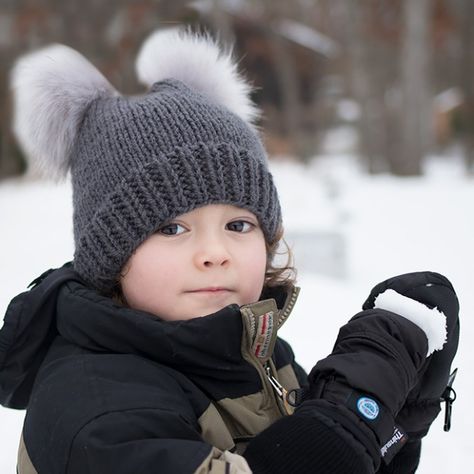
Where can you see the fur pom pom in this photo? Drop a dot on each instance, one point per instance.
(432, 321)
(196, 60)
(51, 89)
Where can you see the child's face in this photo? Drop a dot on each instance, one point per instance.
(197, 264)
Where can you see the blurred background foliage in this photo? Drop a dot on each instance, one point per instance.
(394, 77)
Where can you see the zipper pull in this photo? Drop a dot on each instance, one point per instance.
(449, 395)
(281, 391)
(277, 386)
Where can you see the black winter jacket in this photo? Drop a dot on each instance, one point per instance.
(110, 389)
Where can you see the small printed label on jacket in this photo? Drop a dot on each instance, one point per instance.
(263, 337)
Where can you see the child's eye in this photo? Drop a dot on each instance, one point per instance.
(171, 229)
(240, 226)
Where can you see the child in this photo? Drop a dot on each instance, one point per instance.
(156, 349)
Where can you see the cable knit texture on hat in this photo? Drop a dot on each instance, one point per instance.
(138, 162)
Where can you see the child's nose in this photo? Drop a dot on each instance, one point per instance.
(212, 253)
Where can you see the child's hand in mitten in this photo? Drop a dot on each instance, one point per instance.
(436, 293)
(390, 364)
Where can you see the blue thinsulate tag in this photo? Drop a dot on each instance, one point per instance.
(368, 408)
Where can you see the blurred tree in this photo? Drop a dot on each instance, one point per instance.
(467, 81)
(387, 44)
(221, 23)
(364, 69)
(286, 75)
(415, 114)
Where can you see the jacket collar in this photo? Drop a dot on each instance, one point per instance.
(97, 323)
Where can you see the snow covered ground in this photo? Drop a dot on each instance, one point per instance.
(384, 225)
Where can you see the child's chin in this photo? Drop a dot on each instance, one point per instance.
(209, 304)
(208, 310)
(198, 306)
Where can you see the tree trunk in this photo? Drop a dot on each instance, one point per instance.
(287, 79)
(467, 82)
(363, 65)
(415, 113)
(222, 24)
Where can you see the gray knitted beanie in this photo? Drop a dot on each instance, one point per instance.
(138, 162)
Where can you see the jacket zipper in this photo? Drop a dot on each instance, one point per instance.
(288, 307)
(281, 393)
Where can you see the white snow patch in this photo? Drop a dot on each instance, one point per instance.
(348, 110)
(339, 140)
(448, 100)
(431, 321)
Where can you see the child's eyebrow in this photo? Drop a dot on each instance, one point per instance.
(246, 215)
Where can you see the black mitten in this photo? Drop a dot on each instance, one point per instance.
(434, 384)
(383, 355)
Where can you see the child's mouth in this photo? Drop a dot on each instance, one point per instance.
(211, 291)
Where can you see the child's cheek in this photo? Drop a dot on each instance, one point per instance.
(255, 274)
